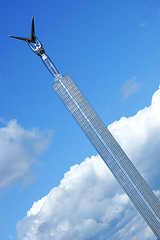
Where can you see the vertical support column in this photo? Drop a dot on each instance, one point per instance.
(117, 161)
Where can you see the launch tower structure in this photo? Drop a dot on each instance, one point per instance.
(108, 148)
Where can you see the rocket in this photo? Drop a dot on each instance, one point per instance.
(141, 195)
(37, 47)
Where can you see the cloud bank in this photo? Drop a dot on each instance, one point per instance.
(139, 136)
(89, 204)
(18, 150)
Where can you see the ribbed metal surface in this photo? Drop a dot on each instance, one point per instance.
(117, 161)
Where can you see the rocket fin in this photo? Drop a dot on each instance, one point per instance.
(32, 39)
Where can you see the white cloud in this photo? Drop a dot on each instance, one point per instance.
(144, 24)
(139, 136)
(18, 148)
(84, 205)
(130, 87)
(88, 203)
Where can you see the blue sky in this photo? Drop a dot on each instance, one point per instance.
(111, 49)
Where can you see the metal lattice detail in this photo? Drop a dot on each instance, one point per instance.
(117, 161)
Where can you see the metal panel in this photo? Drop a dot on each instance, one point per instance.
(117, 161)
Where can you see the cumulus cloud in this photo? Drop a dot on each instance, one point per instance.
(139, 136)
(18, 148)
(89, 203)
(83, 206)
(130, 87)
